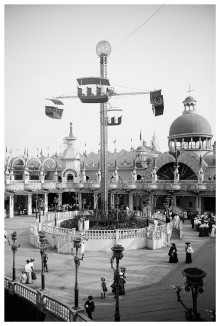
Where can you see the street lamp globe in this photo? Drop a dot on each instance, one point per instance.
(103, 48)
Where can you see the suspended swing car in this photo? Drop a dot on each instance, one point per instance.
(95, 90)
(53, 111)
(156, 99)
(114, 121)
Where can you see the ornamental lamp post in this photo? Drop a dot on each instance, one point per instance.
(117, 254)
(194, 283)
(43, 248)
(77, 242)
(14, 248)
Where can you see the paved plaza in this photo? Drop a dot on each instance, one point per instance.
(149, 277)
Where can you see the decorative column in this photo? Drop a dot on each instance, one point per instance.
(134, 175)
(46, 202)
(80, 200)
(56, 176)
(112, 200)
(42, 176)
(131, 202)
(11, 206)
(198, 204)
(29, 204)
(59, 199)
(154, 174)
(176, 174)
(26, 176)
(12, 177)
(7, 176)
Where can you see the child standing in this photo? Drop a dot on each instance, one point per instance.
(103, 287)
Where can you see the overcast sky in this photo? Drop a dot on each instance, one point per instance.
(47, 47)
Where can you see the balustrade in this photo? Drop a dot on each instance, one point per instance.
(57, 308)
(60, 310)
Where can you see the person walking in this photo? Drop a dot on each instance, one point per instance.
(28, 270)
(33, 274)
(89, 306)
(173, 254)
(45, 259)
(103, 287)
(189, 251)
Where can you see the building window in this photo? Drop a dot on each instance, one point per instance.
(190, 204)
(69, 177)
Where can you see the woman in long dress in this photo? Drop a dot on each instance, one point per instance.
(189, 251)
(212, 234)
(173, 254)
(28, 270)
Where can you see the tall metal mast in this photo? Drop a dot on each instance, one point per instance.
(103, 49)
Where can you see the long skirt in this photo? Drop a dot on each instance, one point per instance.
(29, 278)
(188, 258)
(173, 258)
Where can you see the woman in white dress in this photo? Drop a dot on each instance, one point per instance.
(28, 270)
(213, 233)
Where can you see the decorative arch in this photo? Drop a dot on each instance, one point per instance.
(164, 159)
(46, 159)
(166, 172)
(33, 158)
(15, 159)
(69, 171)
(191, 160)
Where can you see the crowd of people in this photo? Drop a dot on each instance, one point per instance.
(205, 224)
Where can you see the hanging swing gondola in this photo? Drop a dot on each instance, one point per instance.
(53, 111)
(114, 121)
(98, 94)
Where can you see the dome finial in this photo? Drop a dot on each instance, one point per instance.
(190, 90)
(71, 130)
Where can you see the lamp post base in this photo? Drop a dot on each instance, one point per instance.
(76, 298)
(42, 282)
(13, 274)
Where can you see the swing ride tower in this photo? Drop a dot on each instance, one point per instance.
(103, 50)
(102, 95)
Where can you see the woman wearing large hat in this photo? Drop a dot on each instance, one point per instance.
(173, 254)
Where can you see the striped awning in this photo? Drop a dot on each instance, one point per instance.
(22, 193)
(55, 191)
(8, 194)
(40, 192)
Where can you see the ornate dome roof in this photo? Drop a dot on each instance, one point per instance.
(190, 123)
(189, 99)
(141, 149)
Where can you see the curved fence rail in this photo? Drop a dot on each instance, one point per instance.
(59, 310)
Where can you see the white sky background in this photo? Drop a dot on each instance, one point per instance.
(48, 46)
